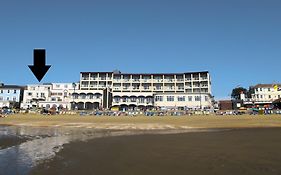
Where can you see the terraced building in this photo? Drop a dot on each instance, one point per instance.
(143, 90)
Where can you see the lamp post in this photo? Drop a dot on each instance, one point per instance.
(200, 95)
(73, 103)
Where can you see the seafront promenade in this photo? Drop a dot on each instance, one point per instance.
(143, 122)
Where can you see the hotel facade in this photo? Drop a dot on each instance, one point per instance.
(264, 94)
(10, 95)
(116, 90)
(48, 95)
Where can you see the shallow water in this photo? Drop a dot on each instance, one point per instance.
(34, 145)
(40, 144)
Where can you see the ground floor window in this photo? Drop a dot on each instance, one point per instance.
(170, 98)
(159, 98)
(181, 98)
(206, 98)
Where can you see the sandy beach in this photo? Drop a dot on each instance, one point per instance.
(143, 122)
(73, 144)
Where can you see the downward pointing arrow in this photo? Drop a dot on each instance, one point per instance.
(39, 68)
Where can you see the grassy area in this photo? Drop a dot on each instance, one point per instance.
(201, 121)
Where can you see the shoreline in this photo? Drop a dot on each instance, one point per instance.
(226, 152)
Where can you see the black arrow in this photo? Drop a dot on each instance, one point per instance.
(39, 68)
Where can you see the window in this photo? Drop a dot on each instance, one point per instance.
(15, 91)
(57, 85)
(261, 96)
(206, 98)
(133, 99)
(141, 100)
(14, 98)
(159, 98)
(53, 99)
(8, 91)
(149, 100)
(116, 99)
(65, 86)
(189, 98)
(170, 98)
(268, 89)
(146, 87)
(42, 95)
(83, 96)
(8, 98)
(75, 96)
(269, 96)
(158, 87)
(1, 98)
(197, 98)
(181, 87)
(181, 98)
(124, 99)
(260, 89)
(29, 94)
(1, 91)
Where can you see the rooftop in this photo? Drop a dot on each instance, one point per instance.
(120, 73)
(267, 85)
(3, 86)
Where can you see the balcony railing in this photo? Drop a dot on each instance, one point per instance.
(169, 80)
(158, 80)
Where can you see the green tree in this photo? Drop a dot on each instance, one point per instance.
(237, 91)
(250, 92)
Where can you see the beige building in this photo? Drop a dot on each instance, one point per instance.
(47, 95)
(144, 90)
(266, 93)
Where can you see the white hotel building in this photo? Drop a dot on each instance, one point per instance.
(264, 94)
(47, 95)
(143, 90)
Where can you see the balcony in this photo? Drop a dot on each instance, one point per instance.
(116, 88)
(116, 80)
(126, 80)
(158, 80)
(84, 85)
(180, 80)
(85, 78)
(204, 78)
(181, 88)
(169, 80)
(169, 88)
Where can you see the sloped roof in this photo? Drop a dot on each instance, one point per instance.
(266, 85)
(11, 87)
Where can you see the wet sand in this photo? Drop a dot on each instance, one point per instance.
(237, 151)
(8, 141)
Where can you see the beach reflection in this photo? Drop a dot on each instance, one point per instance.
(44, 144)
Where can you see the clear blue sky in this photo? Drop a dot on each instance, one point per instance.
(238, 41)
